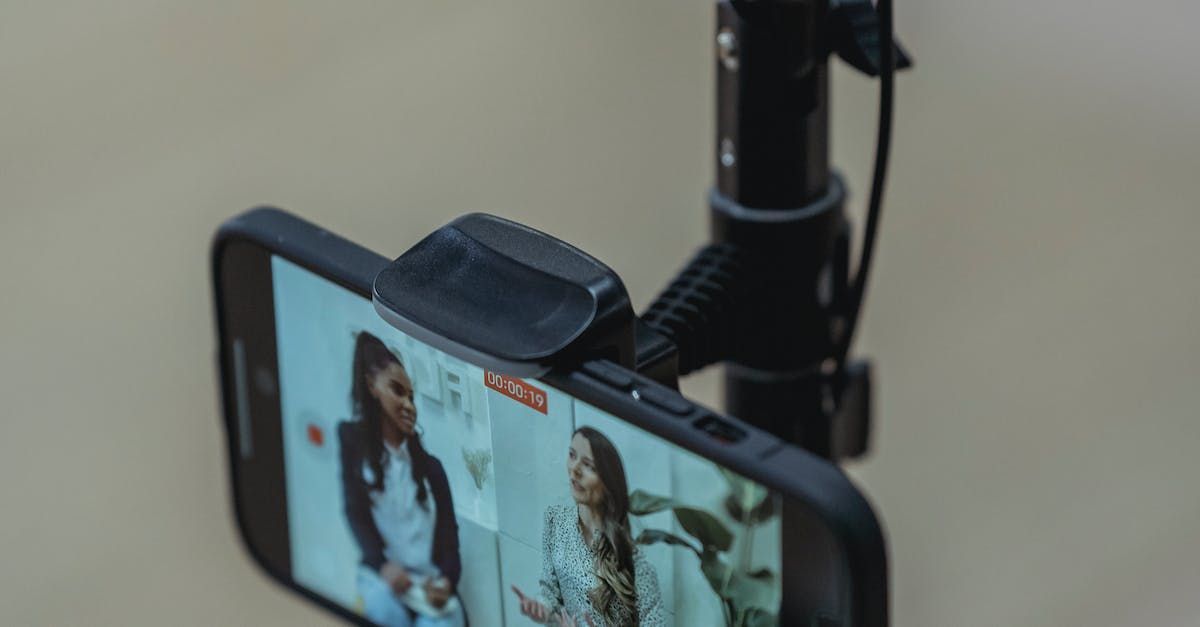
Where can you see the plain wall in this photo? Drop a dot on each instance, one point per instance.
(1032, 311)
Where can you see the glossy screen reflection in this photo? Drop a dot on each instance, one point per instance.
(424, 491)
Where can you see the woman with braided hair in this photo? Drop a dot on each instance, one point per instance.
(397, 500)
(593, 574)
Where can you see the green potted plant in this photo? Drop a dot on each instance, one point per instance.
(746, 594)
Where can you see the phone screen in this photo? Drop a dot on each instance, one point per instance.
(423, 490)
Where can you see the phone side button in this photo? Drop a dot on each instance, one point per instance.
(665, 400)
(720, 430)
(611, 376)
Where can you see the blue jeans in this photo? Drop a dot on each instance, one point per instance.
(381, 606)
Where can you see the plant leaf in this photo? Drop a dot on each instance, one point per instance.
(654, 536)
(642, 503)
(758, 617)
(747, 594)
(705, 527)
(715, 571)
(751, 590)
(747, 502)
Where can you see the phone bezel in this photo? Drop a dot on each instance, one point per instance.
(813, 489)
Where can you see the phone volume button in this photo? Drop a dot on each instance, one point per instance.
(608, 375)
(663, 399)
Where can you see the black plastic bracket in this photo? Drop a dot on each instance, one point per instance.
(769, 298)
(853, 33)
(850, 431)
(508, 298)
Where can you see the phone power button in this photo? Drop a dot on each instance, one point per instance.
(663, 399)
(609, 375)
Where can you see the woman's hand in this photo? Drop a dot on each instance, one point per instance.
(396, 577)
(437, 591)
(563, 619)
(532, 608)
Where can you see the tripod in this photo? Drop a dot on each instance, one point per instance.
(772, 295)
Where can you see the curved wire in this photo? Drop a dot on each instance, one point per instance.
(878, 178)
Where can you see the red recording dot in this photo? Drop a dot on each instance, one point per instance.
(316, 435)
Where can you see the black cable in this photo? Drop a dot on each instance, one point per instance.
(883, 143)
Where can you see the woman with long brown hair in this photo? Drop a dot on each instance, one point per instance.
(593, 573)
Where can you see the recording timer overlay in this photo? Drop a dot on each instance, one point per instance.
(516, 389)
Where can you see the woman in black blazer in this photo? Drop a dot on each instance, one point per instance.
(397, 500)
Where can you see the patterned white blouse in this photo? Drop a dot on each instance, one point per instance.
(568, 573)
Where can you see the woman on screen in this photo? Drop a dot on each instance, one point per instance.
(397, 499)
(592, 572)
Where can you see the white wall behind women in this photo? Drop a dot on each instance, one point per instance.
(316, 324)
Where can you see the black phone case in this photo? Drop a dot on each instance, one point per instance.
(840, 580)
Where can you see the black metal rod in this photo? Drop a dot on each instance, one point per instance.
(772, 103)
(777, 202)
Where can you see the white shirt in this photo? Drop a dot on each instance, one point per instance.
(405, 524)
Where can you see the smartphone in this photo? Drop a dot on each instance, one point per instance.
(394, 484)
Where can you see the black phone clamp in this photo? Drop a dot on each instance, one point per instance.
(508, 298)
(772, 296)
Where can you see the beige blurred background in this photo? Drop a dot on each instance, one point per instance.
(1032, 315)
